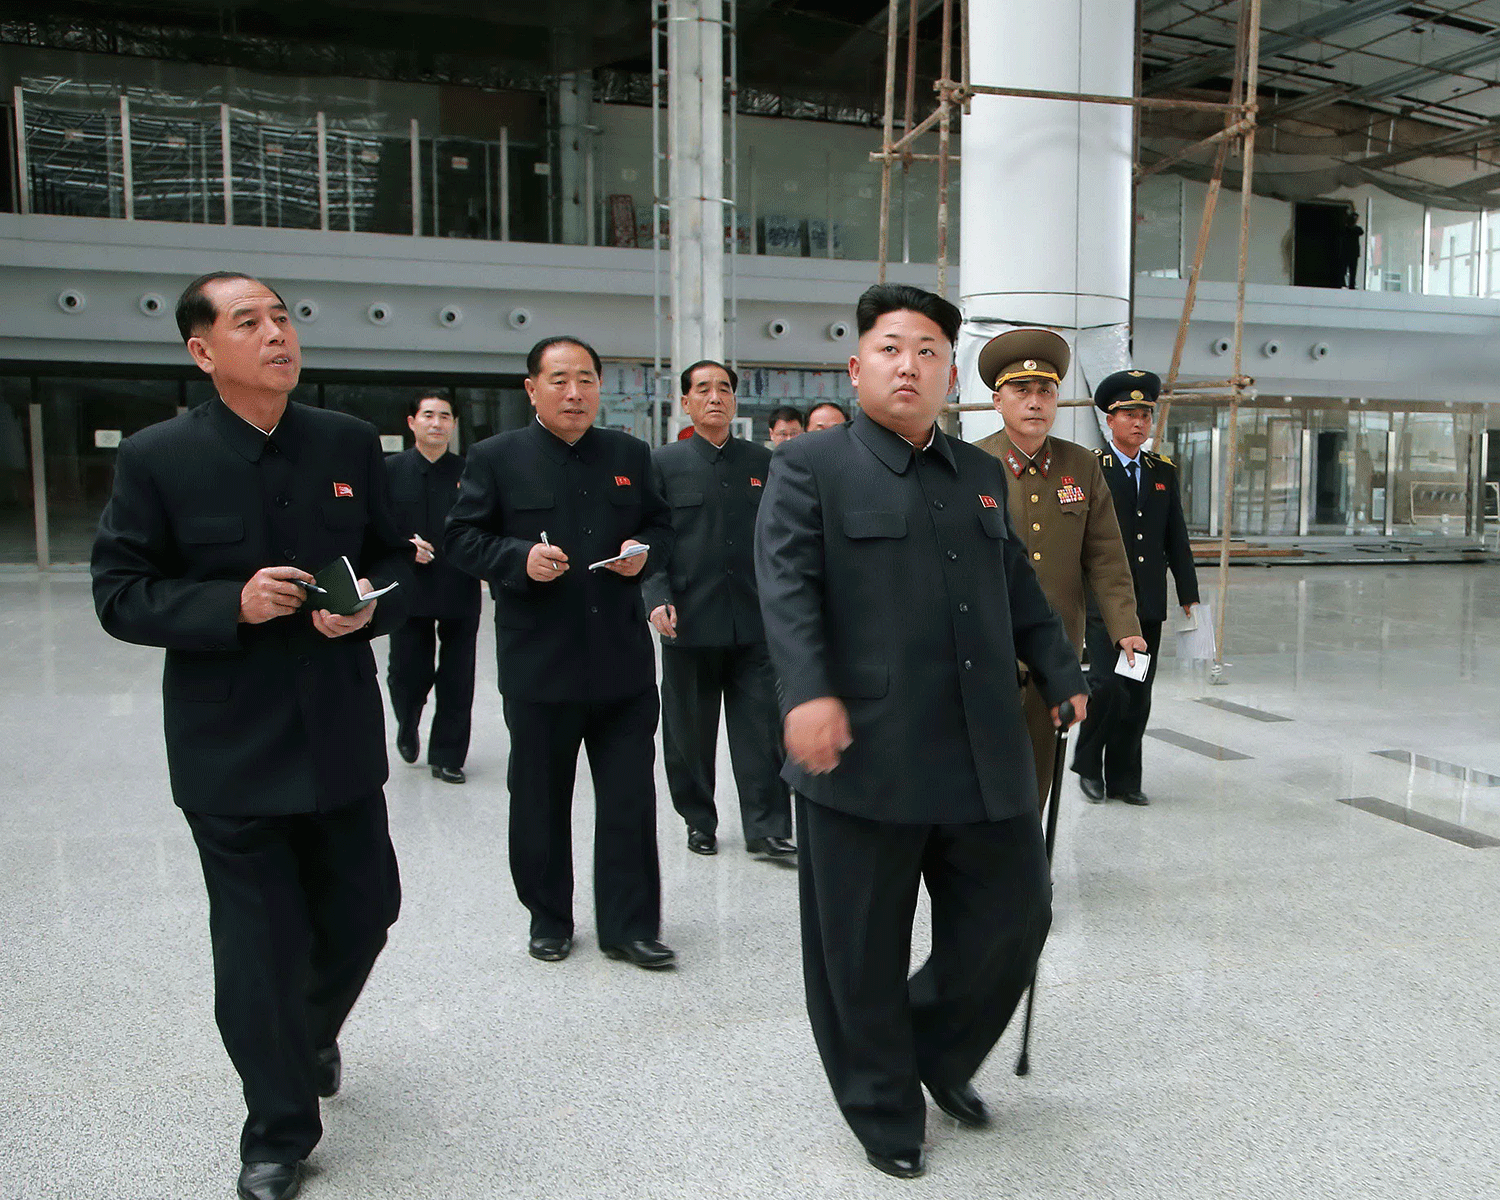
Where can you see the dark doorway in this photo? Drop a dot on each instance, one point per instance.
(1321, 245)
(1331, 478)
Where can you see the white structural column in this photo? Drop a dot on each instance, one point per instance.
(695, 146)
(575, 99)
(1045, 196)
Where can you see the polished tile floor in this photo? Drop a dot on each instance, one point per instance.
(1251, 990)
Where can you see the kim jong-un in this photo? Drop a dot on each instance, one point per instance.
(896, 598)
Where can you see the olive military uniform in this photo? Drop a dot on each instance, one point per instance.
(1062, 509)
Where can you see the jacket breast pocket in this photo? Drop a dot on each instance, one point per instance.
(687, 499)
(532, 501)
(204, 529)
(343, 513)
(874, 524)
(862, 681)
(992, 521)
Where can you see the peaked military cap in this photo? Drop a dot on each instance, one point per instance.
(1023, 354)
(1127, 389)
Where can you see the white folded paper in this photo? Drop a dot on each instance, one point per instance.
(1137, 672)
(1195, 636)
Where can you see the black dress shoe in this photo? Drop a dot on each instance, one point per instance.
(330, 1070)
(651, 955)
(1136, 797)
(1093, 789)
(963, 1104)
(449, 774)
(702, 843)
(407, 744)
(269, 1180)
(908, 1164)
(772, 847)
(550, 949)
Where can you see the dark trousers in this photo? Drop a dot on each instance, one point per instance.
(1109, 740)
(298, 908)
(693, 682)
(544, 744)
(411, 675)
(880, 1035)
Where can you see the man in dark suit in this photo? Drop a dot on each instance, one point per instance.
(444, 608)
(536, 507)
(785, 423)
(274, 725)
(1149, 506)
(896, 599)
(703, 602)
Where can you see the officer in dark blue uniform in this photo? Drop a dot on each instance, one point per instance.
(1149, 505)
(444, 608)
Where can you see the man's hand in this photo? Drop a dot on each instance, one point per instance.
(1080, 704)
(270, 593)
(546, 563)
(1133, 646)
(664, 620)
(425, 551)
(1187, 609)
(331, 625)
(631, 567)
(817, 734)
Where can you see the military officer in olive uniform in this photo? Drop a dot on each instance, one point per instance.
(1149, 506)
(1061, 507)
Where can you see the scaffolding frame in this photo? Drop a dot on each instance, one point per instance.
(1240, 125)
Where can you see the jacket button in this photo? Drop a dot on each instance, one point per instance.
(1031, 470)
(304, 661)
(1034, 497)
(289, 555)
(1140, 558)
(723, 483)
(963, 608)
(968, 664)
(283, 501)
(594, 608)
(1036, 527)
(952, 556)
(587, 530)
(1139, 536)
(1037, 557)
(729, 541)
(937, 504)
(1139, 513)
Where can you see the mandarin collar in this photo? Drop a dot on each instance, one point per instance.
(248, 441)
(894, 450)
(557, 449)
(708, 450)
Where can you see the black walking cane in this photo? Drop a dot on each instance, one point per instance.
(1065, 715)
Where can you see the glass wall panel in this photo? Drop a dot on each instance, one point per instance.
(1454, 254)
(1393, 245)
(1267, 478)
(17, 511)
(84, 420)
(1158, 227)
(1190, 447)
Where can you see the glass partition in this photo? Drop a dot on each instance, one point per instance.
(1453, 252)
(1393, 245)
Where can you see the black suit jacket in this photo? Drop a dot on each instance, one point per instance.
(260, 719)
(1154, 531)
(583, 636)
(709, 576)
(422, 492)
(894, 581)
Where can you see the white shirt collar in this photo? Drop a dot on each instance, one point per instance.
(1125, 459)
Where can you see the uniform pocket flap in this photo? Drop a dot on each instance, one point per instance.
(992, 521)
(343, 512)
(201, 530)
(864, 681)
(529, 500)
(872, 524)
(687, 499)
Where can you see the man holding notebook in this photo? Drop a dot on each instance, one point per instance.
(218, 521)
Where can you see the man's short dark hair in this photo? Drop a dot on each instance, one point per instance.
(687, 375)
(883, 298)
(195, 311)
(838, 408)
(786, 413)
(534, 355)
(416, 402)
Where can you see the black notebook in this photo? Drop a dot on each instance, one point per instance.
(341, 594)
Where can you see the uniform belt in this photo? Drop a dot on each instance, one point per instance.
(1023, 674)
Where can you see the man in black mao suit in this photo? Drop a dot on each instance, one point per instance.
(274, 724)
(896, 599)
(1149, 505)
(535, 508)
(703, 602)
(444, 608)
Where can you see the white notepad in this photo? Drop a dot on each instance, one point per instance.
(1137, 672)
